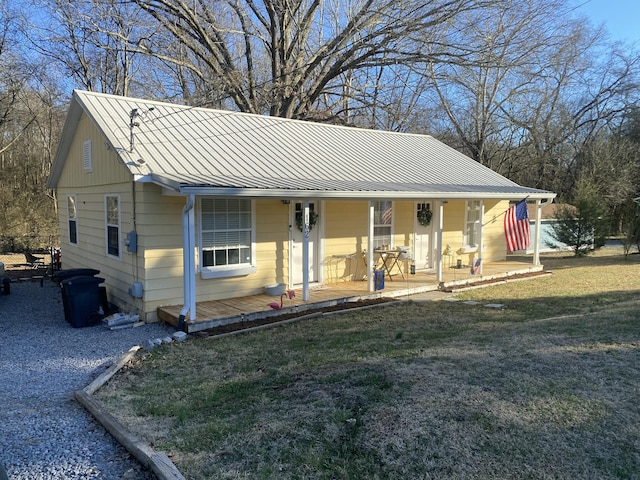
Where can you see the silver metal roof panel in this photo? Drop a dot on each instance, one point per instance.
(206, 151)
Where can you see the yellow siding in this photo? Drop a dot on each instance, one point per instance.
(107, 176)
(493, 234)
(107, 168)
(495, 245)
(163, 254)
(91, 248)
(403, 219)
(346, 229)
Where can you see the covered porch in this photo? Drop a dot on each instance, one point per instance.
(212, 314)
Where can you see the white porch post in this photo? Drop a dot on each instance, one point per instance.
(188, 259)
(536, 238)
(370, 282)
(305, 252)
(481, 239)
(439, 238)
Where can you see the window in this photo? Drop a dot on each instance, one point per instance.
(112, 206)
(472, 223)
(226, 236)
(72, 219)
(382, 221)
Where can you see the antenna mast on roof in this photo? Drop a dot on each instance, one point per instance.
(133, 115)
(132, 123)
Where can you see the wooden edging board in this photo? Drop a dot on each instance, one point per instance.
(158, 462)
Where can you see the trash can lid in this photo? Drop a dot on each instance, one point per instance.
(82, 279)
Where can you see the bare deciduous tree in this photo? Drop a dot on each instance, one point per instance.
(89, 41)
(282, 56)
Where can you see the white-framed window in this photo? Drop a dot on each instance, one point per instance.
(472, 223)
(382, 222)
(227, 238)
(112, 220)
(72, 219)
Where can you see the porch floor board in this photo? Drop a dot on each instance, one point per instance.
(211, 314)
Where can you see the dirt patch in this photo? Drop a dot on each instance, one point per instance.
(234, 327)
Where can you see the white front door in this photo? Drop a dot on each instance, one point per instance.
(297, 237)
(423, 237)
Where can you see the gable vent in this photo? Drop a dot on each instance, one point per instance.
(86, 156)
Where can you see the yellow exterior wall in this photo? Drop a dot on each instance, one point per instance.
(107, 177)
(493, 233)
(346, 237)
(272, 256)
(495, 246)
(346, 232)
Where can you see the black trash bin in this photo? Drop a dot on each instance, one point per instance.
(62, 275)
(81, 300)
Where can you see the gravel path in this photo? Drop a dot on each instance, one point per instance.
(44, 432)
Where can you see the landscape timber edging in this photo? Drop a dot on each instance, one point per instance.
(158, 462)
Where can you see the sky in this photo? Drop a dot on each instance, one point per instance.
(620, 17)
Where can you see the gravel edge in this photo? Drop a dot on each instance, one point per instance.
(44, 432)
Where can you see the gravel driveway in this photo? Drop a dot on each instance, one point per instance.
(44, 432)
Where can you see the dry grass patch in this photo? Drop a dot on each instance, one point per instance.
(547, 388)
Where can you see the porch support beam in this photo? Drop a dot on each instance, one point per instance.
(439, 239)
(188, 259)
(370, 280)
(305, 251)
(536, 237)
(481, 235)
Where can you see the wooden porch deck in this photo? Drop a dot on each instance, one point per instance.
(213, 314)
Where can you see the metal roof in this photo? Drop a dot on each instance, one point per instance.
(213, 152)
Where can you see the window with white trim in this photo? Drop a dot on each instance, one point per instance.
(472, 223)
(382, 222)
(226, 236)
(72, 219)
(112, 216)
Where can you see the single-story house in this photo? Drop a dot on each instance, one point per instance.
(177, 205)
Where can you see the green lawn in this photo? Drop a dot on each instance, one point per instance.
(548, 387)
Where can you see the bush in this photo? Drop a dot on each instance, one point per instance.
(584, 225)
(630, 226)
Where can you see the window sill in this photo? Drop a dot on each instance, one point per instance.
(209, 273)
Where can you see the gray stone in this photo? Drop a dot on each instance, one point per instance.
(179, 336)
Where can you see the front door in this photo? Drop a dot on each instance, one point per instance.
(297, 261)
(423, 237)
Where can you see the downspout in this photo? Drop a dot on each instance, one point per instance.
(188, 263)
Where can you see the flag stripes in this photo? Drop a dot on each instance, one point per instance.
(516, 227)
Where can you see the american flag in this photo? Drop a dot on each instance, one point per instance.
(516, 227)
